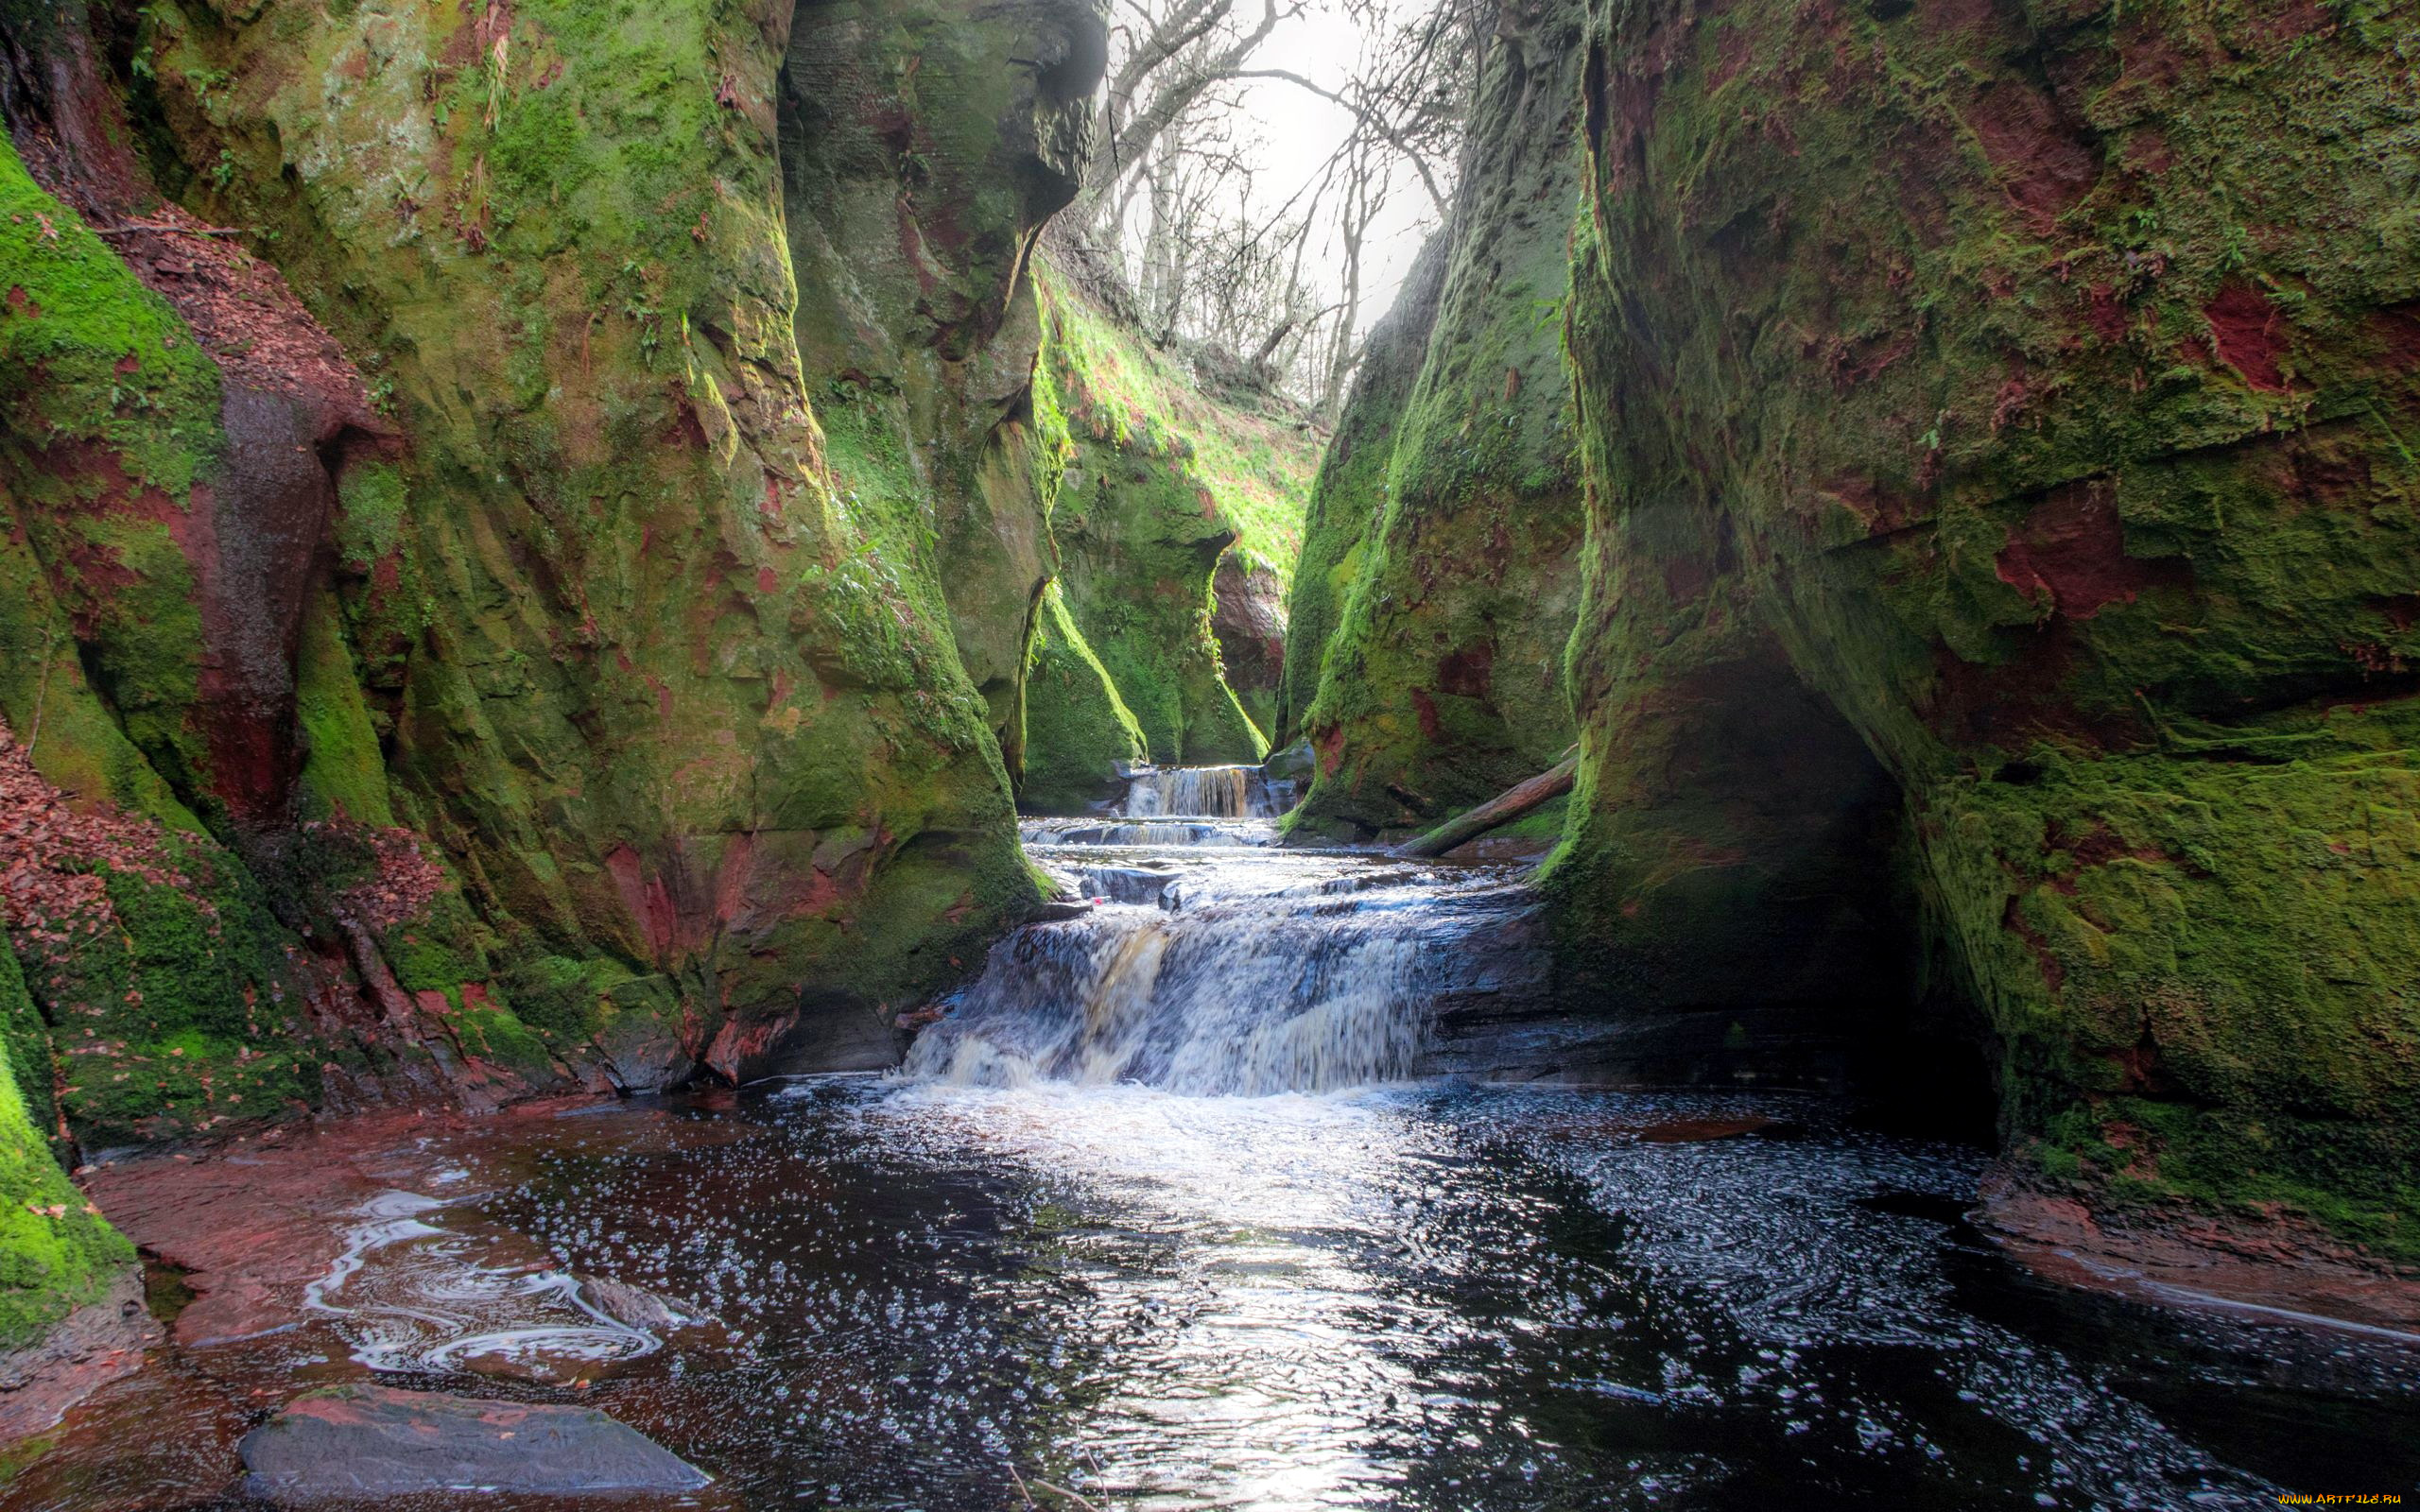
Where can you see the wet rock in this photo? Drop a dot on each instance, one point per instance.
(1248, 619)
(96, 1344)
(1128, 884)
(644, 1053)
(2285, 1266)
(365, 1440)
(1292, 765)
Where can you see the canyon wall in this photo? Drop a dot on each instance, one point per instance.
(1440, 578)
(448, 656)
(2003, 533)
(1175, 514)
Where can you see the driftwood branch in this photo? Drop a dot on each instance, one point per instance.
(1500, 810)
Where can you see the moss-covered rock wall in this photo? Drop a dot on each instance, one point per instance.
(445, 646)
(1443, 679)
(1157, 487)
(2000, 428)
(923, 148)
(57, 1252)
(1350, 490)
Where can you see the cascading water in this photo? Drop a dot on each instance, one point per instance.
(996, 1276)
(1211, 966)
(1204, 792)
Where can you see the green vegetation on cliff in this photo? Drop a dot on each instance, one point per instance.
(668, 701)
(1349, 491)
(1156, 483)
(922, 143)
(1079, 732)
(110, 421)
(1442, 682)
(1997, 426)
(56, 1252)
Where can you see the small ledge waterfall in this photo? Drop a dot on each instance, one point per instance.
(1199, 792)
(1214, 963)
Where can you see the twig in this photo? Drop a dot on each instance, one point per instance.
(1061, 1490)
(42, 690)
(1020, 1480)
(133, 225)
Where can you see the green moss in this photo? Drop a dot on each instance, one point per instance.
(371, 505)
(565, 1000)
(1077, 731)
(1157, 483)
(493, 1032)
(88, 355)
(1349, 491)
(55, 1253)
(2049, 443)
(77, 745)
(181, 1015)
(1452, 503)
(112, 419)
(27, 1041)
(607, 617)
(437, 952)
(1254, 463)
(343, 774)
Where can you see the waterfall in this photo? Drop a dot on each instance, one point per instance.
(1198, 792)
(1188, 1003)
(1251, 975)
(1211, 960)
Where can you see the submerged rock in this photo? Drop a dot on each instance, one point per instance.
(1129, 885)
(93, 1346)
(367, 1440)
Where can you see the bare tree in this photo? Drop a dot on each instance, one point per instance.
(1170, 202)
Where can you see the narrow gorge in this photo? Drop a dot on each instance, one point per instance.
(762, 754)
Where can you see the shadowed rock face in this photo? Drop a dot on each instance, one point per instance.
(2002, 548)
(923, 145)
(1451, 508)
(1250, 625)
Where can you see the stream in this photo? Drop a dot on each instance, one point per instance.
(1173, 1209)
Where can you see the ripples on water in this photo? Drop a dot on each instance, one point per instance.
(1017, 1268)
(1437, 1297)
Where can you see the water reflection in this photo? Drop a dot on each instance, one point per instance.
(1423, 1298)
(862, 1293)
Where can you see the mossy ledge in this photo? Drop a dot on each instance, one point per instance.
(1154, 486)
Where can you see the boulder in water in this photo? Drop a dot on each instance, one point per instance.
(359, 1441)
(1128, 884)
(1295, 764)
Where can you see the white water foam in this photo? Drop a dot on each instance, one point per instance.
(431, 1302)
(1198, 792)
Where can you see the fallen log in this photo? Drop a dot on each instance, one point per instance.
(1498, 811)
